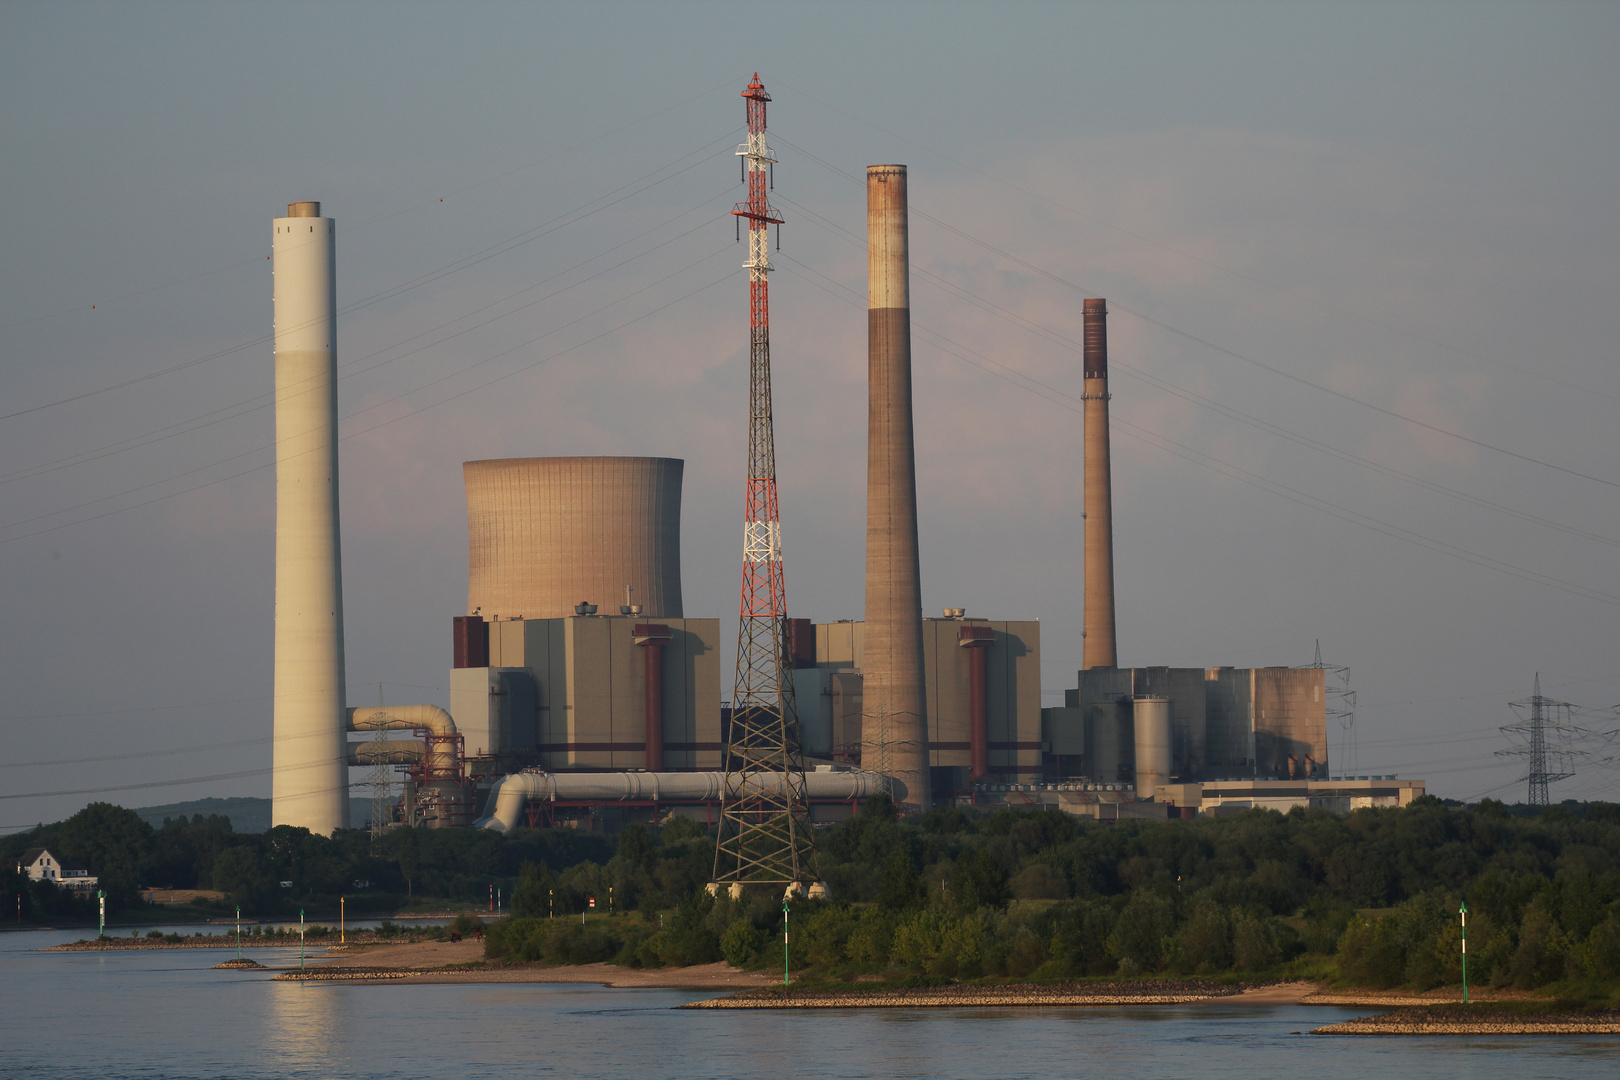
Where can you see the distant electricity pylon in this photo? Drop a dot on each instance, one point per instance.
(1341, 706)
(764, 815)
(1546, 740)
(381, 787)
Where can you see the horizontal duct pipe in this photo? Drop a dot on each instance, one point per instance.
(515, 790)
(401, 718)
(406, 752)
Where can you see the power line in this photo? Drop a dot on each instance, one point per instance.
(1060, 280)
(483, 255)
(1132, 371)
(246, 405)
(1237, 472)
(402, 416)
(1281, 290)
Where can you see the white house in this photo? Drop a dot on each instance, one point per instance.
(41, 865)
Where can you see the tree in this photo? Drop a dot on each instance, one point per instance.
(243, 874)
(114, 843)
(978, 880)
(532, 897)
(403, 848)
(902, 888)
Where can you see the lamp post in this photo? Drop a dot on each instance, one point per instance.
(1462, 913)
(786, 967)
(343, 920)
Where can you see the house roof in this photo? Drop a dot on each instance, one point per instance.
(67, 866)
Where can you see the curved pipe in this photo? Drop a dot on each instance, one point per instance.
(408, 752)
(513, 791)
(401, 718)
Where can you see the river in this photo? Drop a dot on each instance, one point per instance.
(167, 1015)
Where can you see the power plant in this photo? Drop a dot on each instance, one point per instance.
(582, 694)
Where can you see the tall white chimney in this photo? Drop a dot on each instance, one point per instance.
(309, 785)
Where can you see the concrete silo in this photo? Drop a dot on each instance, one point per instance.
(545, 534)
(309, 782)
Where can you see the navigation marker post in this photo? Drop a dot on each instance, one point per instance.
(239, 931)
(1462, 912)
(101, 896)
(785, 963)
(300, 939)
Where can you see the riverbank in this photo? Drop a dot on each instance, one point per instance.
(1481, 1018)
(1020, 995)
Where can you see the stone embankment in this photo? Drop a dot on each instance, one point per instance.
(1147, 992)
(336, 974)
(1464, 1020)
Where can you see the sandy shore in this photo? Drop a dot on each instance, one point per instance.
(440, 962)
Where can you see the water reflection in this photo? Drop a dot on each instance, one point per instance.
(308, 1028)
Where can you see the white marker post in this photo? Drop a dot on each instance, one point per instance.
(1462, 911)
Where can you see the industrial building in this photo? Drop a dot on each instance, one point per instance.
(588, 692)
(1266, 723)
(981, 682)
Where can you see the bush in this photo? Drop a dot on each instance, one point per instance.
(740, 943)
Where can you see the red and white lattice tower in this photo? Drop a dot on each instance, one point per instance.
(764, 819)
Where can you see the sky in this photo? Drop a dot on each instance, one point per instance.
(1363, 264)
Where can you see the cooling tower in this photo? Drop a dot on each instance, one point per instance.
(1098, 624)
(309, 784)
(894, 738)
(545, 534)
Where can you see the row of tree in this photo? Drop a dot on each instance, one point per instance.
(957, 893)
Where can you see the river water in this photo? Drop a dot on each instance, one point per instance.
(166, 1015)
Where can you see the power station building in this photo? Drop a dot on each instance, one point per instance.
(1222, 723)
(588, 692)
(981, 682)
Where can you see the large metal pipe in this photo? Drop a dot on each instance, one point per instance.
(401, 718)
(895, 740)
(1098, 624)
(398, 752)
(309, 783)
(513, 791)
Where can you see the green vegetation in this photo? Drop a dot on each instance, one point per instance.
(1367, 899)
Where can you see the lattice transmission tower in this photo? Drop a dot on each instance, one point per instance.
(1546, 734)
(1340, 706)
(764, 818)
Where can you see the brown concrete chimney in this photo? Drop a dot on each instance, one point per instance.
(1098, 626)
(894, 729)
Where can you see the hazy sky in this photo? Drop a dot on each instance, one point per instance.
(1363, 261)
